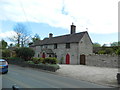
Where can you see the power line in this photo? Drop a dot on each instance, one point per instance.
(21, 5)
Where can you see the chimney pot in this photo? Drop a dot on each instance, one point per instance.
(50, 35)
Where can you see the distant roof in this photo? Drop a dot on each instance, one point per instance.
(69, 38)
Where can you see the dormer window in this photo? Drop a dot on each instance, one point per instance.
(67, 45)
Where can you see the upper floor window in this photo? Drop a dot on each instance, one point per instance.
(46, 46)
(55, 46)
(41, 46)
(67, 45)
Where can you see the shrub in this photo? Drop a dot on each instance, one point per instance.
(5, 53)
(35, 60)
(30, 62)
(50, 60)
(25, 53)
(101, 52)
(15, 58)
(61, 60)
(41, 60)
(109, 51)
(118, 51)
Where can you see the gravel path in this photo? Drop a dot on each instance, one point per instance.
(99, 75)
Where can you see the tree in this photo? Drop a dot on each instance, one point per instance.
(115, 44)
(4, 44)
(21, 36)
(96, 45)
(104, 45)
(11, 44)
(25, 53)
(5, 53)
(36, 37)
(109, 51)
(118, 51)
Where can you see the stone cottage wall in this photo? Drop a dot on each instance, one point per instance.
(61, 51)
(102, 60)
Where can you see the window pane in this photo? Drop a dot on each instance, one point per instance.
(67, 45)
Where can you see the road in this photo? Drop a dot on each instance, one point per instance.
(34, 78)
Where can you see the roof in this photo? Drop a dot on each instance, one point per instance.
(69, 38)
(48, 51)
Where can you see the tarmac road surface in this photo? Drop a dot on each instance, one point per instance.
(25, 77)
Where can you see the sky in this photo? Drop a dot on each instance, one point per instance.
(98, 17)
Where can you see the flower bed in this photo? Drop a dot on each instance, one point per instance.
(21, 62)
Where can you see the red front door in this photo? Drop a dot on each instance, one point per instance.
(67, 59)
(43, 55)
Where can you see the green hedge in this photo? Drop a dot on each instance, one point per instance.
(48, 60)
(21, 62)
(51, 60)
(50, 63)
(25, 53)
(5, 53)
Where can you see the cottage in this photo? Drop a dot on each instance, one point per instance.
(68, 49)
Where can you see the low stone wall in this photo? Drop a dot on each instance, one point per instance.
(102, 60)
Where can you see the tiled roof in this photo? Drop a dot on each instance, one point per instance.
(69, 38)
(48, 51)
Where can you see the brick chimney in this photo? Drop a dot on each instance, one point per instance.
(50, 35)
(73, 29)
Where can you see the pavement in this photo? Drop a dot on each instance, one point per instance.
(98, 75)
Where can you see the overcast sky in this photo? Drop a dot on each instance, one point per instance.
(99, 16)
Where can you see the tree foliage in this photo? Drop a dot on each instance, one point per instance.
(25, 53)
(5, 53)
(3, 44)
(96, 45)
(36, 37)
(118, 51)
(112, 49)
(115, 44)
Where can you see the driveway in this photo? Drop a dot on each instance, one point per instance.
(98, 75)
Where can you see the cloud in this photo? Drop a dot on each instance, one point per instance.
(7, 34)
(99, 16)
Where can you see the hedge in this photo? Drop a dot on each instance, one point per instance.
(21, 62)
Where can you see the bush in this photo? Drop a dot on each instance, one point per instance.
(30, 62)
(118, 51)
(109, 51)
(101, 52)
(15, 58)
(25, 53)
(5, 53)
(50, 60)
(35, 60)
(41, 60)
(61, 61)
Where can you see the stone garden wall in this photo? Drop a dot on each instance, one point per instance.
(102, 60)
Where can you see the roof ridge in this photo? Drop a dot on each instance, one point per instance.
(70, 34)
